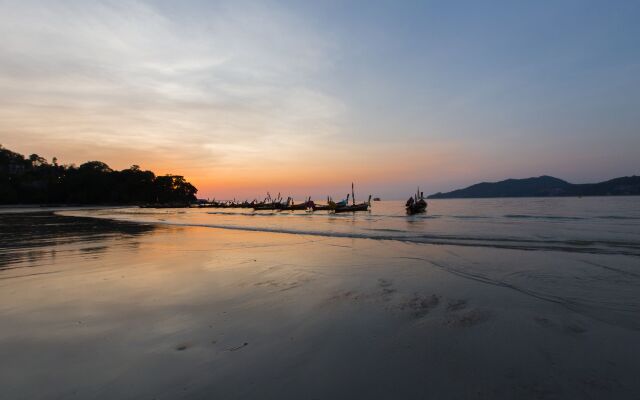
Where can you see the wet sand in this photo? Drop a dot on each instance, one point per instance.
(95, 309)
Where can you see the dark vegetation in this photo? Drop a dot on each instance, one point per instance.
(545, 186)
(33, 180)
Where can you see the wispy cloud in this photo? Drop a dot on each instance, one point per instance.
(230, 85)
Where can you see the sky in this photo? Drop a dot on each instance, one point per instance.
(303, 98)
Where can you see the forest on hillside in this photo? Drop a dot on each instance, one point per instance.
(34, 180)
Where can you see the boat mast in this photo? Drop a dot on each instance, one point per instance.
(353, 195)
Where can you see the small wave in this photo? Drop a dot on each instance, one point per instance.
(617, 217)
(145, 212)
(251, 214)
(403, 215)
(469, 217)
(543, 217)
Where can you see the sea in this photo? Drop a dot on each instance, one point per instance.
(475, 299)
(593, 225)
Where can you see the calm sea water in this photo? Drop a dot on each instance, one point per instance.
(602, 225)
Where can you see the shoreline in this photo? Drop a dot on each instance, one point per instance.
(25, 208)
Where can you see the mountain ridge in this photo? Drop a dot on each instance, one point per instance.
(544, 186)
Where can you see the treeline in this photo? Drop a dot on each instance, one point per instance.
(33, 180)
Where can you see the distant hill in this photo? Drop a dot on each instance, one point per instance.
(545, 186)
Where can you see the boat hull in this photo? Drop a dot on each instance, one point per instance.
(353, 208)
(416, 208)
(270, 207)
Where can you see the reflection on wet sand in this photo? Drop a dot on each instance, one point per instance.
(32, 238)
(118, 310)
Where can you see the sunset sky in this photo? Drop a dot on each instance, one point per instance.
(304, 98)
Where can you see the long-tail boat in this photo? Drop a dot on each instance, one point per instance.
(325, 207)
(269, 204)
(309, 204)
(416, 204)
(343, 203)
(353, 207)
(332, 205)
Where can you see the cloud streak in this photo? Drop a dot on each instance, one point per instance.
(224, 89)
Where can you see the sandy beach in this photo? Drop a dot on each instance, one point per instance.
(99, 309)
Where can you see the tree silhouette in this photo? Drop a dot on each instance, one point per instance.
(34, 180)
